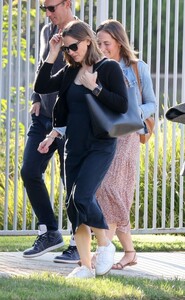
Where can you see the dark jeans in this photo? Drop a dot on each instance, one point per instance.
(34, 166)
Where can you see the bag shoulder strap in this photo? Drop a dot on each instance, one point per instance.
(101, 63)
(135, 68)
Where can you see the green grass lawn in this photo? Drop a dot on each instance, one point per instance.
(48, 286)
(55, 287)
(142, 243)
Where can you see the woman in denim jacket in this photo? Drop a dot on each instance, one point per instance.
(116, 192)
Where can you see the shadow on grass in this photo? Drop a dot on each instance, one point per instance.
(55, 287)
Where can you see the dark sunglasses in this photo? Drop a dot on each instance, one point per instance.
(73, 47)
(50, 8)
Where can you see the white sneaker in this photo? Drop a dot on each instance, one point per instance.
(82, 272)
(105, 259)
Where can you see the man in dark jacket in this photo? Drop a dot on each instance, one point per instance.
(34, 163)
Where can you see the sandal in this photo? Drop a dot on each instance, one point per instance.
(120, 266)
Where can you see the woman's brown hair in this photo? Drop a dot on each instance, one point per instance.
(81, 31)
(118, 33)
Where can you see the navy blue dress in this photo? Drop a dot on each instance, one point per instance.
(87, 160)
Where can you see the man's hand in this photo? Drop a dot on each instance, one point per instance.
(35, 109)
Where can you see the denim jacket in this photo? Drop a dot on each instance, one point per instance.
(147, 103)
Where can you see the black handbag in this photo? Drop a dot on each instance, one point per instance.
(176, 113)
(107, 123)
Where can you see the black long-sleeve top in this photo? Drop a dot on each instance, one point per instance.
(113, 93)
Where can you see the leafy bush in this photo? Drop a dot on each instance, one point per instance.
(167, 208)
(29, 215)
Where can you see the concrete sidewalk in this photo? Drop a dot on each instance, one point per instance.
(152, 265)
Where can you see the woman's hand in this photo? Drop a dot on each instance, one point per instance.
(44, 145)
(55, 44)
(89, 80)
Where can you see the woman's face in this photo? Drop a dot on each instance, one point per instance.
(109, 46)
(76, 49)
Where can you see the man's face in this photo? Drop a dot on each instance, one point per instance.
(56, 10)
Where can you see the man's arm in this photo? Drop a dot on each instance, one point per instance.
(44, 47)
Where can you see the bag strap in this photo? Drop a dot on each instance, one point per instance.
(135, 68)
(102, 62)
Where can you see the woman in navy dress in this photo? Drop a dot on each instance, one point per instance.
(87, 158)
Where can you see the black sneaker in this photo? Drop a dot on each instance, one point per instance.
(70, 256)
(45, 242)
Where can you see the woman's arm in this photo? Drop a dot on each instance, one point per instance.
(44, 82)
(149, 104)
(114, 91)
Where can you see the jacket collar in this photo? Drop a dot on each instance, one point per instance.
(122, 64)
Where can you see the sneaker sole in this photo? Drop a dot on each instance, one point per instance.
(104, 273)
(65, 261)
(44, 251)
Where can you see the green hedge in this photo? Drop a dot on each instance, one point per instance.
(173, 134)
(152, 151)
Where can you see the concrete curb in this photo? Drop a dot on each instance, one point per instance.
(152, 265)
